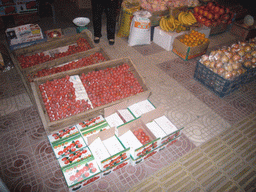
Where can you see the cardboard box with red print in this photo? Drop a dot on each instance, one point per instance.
(81, 174)
(117, 167)
(67, 146)
(107, 149)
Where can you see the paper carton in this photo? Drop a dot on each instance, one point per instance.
(107, 149)
(139, 146)
(65, 147)
(63, 134)
(165, 39)
(81, 173)
(74, 157)
(186, 52)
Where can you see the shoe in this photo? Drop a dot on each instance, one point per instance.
(111, 41)
(96, 40)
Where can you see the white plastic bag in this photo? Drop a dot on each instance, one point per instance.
(140, 29)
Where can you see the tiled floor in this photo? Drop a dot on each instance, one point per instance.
(28, 162)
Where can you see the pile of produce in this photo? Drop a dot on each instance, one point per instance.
(38, 58)
(111, 84)
(60, 99)
(228, 61)
(182, 23)
(213, 14)
(194, 38)
(90, 60)
(161, 5)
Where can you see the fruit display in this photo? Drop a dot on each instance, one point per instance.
(60, 99)
(182, 23)
(161, 5)
(110, 84)
(86, 61)
(186, 18)
(213, 14)
(194, 38)
(141, 136)
(171, 24)
(228, 61)
(38, 58)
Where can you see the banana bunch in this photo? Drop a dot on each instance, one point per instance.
(186, 18)
(169, 23)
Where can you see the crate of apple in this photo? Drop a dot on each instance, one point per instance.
(213, 14)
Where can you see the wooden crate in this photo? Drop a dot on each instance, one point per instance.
(40, 47)
(46, 46)
(28, 75)
(72, 120)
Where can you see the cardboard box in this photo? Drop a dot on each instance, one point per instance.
(74, 157)
(64, 147)
(63, 134)
(81, 174)
(165, 39)
(126, 133)
(53, 126)
(134, 162)
(160, 126)
(242, 30)
(118, 166)
(107, 149)
(186, 52)
(203, 29)
(140, 108)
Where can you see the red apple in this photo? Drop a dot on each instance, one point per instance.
(227, 10)
(205, 13)
(217, 9)
(216, 16)
(196, 9)
(201, 11)
(210, 4)
(208, 23)
(210, 16)
(221, 11)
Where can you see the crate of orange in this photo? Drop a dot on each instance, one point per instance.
(191, 45)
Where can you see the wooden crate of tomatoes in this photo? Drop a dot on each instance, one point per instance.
(46, 54)
(80, 59)
(65, 98)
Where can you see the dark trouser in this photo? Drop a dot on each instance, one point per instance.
(110, 8)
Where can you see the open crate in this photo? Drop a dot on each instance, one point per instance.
(41, 47)
(186, 52)
(53, 126)
(215, 82)
(46, 47)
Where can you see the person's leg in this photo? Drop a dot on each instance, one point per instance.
(97, 11)
(111, 11)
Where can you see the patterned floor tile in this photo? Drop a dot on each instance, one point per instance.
(146, 50)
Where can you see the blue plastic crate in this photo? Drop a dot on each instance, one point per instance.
(215, 82)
